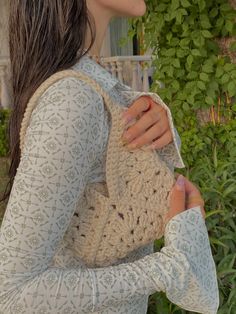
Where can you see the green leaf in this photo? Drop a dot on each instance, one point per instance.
(229, 190)
(199, 41)
(186, 31)
(175, 85)
(209, 100)
(192, 75)
(225, 78)
(205, 22)
(233, 46)
(207, 68)
(169, 36)
(179, 15)
(170, 52)
(229, 26)
(220, 22)
(206, 34)
(176, 63)
(196, 52)
(218, 242)
(214, 12)
(186, 106)
(202, 4)
(191, 99)
(180, 114)
(175, 4)
(185, 3)
(229, 67)
(174, 42)
(204, 77)
(225, 272)
(161, 7)
(214, 212)
(201, 85)
(219, 72)
(190, 60)
(231, 89)
(225, 7)
(232, 296)
(181, 53)
(184, 42)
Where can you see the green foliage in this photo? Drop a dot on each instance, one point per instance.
(192, 75)
(198, 141)
(4, 118)
(217, 179)
(211, 166)
(187, 56)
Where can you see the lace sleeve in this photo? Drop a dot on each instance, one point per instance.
(61, 145)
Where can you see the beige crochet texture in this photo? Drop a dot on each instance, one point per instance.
(125, 212)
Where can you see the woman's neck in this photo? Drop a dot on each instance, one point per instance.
(102, 18)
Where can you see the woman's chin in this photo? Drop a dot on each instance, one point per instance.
(140, 10)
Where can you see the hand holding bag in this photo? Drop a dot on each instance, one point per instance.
(125, 212)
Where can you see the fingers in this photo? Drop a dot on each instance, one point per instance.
(150, 126)
(144, 123)
(138, 107)
(148, 103)
(177, 199)
(191, 188)
(193, 196)
(164, 140)
(165, 137)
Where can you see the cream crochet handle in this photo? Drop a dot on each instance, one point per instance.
(114, 109)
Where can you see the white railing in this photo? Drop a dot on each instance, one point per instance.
(5, 93)
(131, 70)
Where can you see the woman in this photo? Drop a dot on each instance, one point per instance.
(64, 150)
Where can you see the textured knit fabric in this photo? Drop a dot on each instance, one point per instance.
(125, 212)
(65, 149)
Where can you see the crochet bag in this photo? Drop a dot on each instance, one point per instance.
(125, 212)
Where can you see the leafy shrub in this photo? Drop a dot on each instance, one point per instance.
(183, 35)
(218, 184)
(4, 118)
(195, 77)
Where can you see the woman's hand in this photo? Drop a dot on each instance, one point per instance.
(184, 195)
(152, 127)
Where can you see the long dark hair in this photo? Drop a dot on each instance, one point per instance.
(45, 36)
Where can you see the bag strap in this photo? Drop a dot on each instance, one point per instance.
(117, 125)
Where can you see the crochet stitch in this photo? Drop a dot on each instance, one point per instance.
(125, 212)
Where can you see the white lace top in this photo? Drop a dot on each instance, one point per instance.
(65, 149)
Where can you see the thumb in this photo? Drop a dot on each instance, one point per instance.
(177, 197)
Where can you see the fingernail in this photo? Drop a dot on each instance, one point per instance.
(127, 136)
(132, 146)
(126, 118)
(180, 183)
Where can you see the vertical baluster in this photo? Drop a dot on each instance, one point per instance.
(113, 69)
(5, 94)
(145, 77)
(135, 75)
(120, 70)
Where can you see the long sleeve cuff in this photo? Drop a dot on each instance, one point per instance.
(189, 277)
